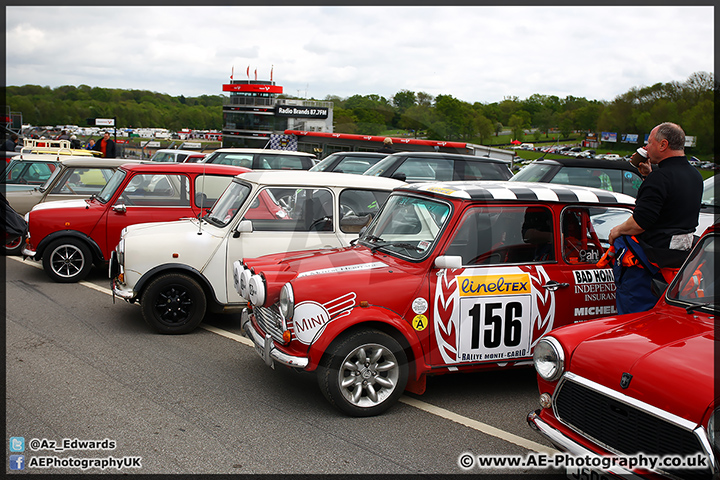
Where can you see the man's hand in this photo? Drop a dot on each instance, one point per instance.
(644, 168)
(628, 227)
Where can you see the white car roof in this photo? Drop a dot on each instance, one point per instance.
(262, 150)
(176, 150)
(318, 179)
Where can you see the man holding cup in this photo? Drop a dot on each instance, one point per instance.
(659, 234)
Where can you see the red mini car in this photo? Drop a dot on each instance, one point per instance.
(639, 387)
(448, 277)
(70, 235)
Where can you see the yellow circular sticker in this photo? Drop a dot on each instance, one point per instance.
(420, 322)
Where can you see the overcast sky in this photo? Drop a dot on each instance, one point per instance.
(476, 54)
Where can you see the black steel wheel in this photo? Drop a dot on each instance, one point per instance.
(173, 304)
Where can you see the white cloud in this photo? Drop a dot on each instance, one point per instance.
(477, 54)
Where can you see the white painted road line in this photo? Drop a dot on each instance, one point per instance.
(479, 426)
(413, 402)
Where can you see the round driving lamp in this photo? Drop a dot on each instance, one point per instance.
(549, 359)
(256, 290)
(245, 283)
(287, 302)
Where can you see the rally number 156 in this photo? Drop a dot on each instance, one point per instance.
(496, 324)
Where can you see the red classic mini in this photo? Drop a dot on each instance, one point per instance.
(70, 235)
(639, 387)
(448, 277)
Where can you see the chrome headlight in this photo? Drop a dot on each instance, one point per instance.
(120, 249)
(549, 359)
(287, 302)
(712, 430)
(256, 290)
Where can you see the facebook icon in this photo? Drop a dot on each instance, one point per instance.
(17, 462)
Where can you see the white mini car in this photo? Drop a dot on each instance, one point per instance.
(178, 270)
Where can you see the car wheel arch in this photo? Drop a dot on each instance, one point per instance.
(373, 318)
(95, 250)
(191, 272)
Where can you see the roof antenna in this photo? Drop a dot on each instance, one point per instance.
(202, 202)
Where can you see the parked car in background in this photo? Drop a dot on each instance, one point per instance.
(77, 177)
(262, 159)
(414, 167)
(195, 157)
(178, 270)
(641, 383)
(171, 155)
(348, 162)
(709, 209)
(450, 277)
(612, 175)
(55, 147)
(70, 236)
(28, 171)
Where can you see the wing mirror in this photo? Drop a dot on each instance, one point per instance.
(448, 261)
(245, 226)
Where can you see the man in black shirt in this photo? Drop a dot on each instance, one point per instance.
(668, 203)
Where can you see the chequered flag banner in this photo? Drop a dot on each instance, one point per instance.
(283, 142)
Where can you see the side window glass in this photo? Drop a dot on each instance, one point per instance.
(208, 189)
(484, 171)
(82, 181)
(352, 165)
(359, 207)
(538, 233)
(499, 235)
(292, 210)
(281, 162)
(426, 170)
(15, 172)
(236, 159)
(580, 242)
(631, 183)
(157, 190)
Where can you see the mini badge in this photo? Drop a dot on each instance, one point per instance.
(625, 380)
(419, 305)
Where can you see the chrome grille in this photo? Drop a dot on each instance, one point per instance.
(623, 428)
(270, 321)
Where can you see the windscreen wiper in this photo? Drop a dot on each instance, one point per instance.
(697, 306)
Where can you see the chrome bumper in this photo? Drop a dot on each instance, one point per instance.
(27, 253)
(566, 444)
(127, 295)
(265, 347)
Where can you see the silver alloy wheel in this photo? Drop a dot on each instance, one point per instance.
(368, 375)
(67, 260)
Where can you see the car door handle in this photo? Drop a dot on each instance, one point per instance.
(120, 208)
(552, 285)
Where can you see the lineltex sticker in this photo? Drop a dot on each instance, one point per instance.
(419, 305)
(420, 322)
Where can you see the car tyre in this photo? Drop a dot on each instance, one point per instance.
(173, 304)
(67, 260)
(14, 245)
(363, 373)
